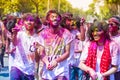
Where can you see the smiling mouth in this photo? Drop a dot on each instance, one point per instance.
(29, 24)
(55, 22)
(96, 36)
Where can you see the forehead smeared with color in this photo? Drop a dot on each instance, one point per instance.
(113, 19)
(29, 16)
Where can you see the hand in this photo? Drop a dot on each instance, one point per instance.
(52, 65)
(82, 21)
(10, 51)
(7, 51)
(13, 49)
(36, 44)
(99, 75)
(93, 74)
(48, 66)
(15, 30)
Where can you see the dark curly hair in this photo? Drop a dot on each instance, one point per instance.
(100, 25)
(52, 11)
(11, 24)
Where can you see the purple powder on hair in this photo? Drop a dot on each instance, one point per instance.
(30, 18)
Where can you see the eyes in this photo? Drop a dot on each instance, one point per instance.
(54, 16)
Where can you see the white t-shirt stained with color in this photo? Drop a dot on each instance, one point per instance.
(24, 58)
(54, 49)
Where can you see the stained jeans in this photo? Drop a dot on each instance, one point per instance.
(117, 75)
(75, 73)
(16, 74)
(2, 56)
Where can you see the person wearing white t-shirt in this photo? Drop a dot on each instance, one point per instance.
(55, 48)
(75, 51)
(114, 24)
(99, 58)
(24, 41)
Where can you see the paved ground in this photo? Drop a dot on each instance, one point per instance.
(4, 73)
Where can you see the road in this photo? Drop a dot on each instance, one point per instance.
(4, 73)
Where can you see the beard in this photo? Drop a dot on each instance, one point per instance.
(54, 24)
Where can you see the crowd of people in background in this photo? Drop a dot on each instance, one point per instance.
(60, 47)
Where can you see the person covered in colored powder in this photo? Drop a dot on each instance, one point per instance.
(99, 58)
(55, 48)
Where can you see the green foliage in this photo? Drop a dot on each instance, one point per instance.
(91, 9)
(40, 7)
(107, 9)
(113, 6)
(25, 6)
(105, 12)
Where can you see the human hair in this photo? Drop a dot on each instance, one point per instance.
(66, 16)
(11, 24)
(78, 19)
(75, 22)
(29, 16)
(52, 11)
(100, 25)
(117, 19)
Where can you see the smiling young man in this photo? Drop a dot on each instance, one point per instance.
(100, 55)
(23, 67)
(55, 48)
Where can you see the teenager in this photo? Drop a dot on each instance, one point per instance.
(99, 58)
(23, 67)
(55, 48)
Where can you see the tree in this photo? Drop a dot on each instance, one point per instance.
(107, 8)
(39, 7)
(91, 10)
(25, 6)
(114, 6)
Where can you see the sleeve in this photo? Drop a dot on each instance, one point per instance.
(41, 39)
(84, 53)
(20, 34)
(69, 37)
(80, 45)
(114, 53)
